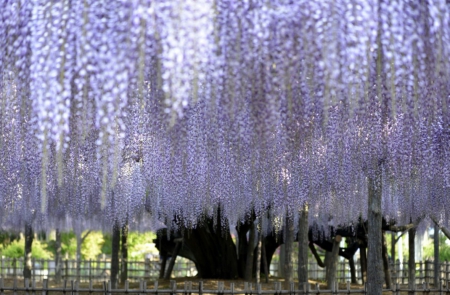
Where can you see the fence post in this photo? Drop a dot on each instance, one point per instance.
(33, 268)
(147, 268)
(66, 269)
(44, 287)
(14, 265)
(421, 276)
(15, 286)
(447, 269)
(41, 271)
(97, 267)
(427, 271)
(33, 287)
(173, 287)
(89, 269)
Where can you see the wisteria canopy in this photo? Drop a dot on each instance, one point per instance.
(144, 109)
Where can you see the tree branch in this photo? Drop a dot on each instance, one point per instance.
(316, 255)
(406, 227)
(442, 228)
(85, 235)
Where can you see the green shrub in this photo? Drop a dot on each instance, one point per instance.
(444, 249)
(17, 250)
(107, 242)
(40, 250)
(139, 244)
(92, 245)
(14, 250)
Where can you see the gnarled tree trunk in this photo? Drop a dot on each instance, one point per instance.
(213, 250)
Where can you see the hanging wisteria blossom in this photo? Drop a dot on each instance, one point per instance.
(176, 108)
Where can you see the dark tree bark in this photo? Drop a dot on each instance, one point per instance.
(213, 251)
(115, 254)
(444, 230)
(208, 260)
(58, 258)
(393, 254)
(288, 265)
(411, 261)
(169, 270)
(78, 256)
(242, 244)
(350, 241)
(374, 255)
(393, 243)
(124, 251)
(29, 236)
(316, 255)
(387, 272)
(162, 270)
(250, 250)
(264, 261)
(258, 259)
(303, 246)
(271, 244)
(351, 263)
(436, 256)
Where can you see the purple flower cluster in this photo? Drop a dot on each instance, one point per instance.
(144, 110)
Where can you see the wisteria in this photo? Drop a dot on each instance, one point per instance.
(145, 110)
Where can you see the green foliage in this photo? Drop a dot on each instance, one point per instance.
(7, 237)
(92, 245)
(69, 244)
(40, 250)
(107, 242)
(140, 244)
(16, 249)
(444, 249)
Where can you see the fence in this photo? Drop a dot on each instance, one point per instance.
(190, 288)
(93, 270)
(399, 271)
(149, 269)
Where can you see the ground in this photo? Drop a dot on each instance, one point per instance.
(188, 284)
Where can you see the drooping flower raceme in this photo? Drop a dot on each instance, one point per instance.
(179, 107)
